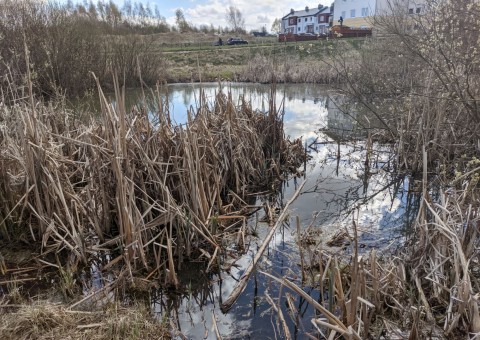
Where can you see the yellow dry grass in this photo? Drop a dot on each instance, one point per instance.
(44, 320)
(156, 193)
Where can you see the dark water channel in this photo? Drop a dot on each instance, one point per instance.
(338, 188)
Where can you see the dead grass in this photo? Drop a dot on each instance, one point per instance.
(45, 320)
(156, 193)
(292, 63)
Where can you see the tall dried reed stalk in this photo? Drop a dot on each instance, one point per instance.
(418, 80)
(158, 194)
(429, 289)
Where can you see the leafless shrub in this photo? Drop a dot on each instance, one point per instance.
(64, 47)
(420, 78)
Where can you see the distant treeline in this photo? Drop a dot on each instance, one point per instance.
(131, 18)
(134, 17)
(65, 43)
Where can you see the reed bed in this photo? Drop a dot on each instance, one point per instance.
(429, 289)
(148, 195)
(289, 67)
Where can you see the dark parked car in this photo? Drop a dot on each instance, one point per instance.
(236, 41)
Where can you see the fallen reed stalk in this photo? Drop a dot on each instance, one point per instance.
(215, 327)
(281, 319)
(242, 282)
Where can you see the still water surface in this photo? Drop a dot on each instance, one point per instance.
(338, 188)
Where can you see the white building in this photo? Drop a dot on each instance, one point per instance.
(307, 21)
(359, 13)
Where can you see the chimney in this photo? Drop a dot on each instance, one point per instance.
(292, 11)
(320, 6)
(306, 8)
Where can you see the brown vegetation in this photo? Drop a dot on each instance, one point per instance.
(46, 320)
(420, 79)
(63, 44)
(157, 193)
(152, 196)
(425, 291)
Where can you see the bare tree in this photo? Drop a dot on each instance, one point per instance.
(276, 26)
(182, 24)
(235, 19)
(422, 69)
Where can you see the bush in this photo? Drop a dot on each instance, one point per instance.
(421, 78)
(64, 47)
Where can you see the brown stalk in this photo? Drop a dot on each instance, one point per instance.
(281, 319)
(241, 284)
(334, 323)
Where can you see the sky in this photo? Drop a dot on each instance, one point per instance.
(257, 13)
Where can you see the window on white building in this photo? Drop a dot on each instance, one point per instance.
(365, 12)
(344, 14)
(352, 13)
(419, 10)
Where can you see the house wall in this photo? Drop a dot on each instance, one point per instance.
(386, 7)
(357, 22)
(303, 23)
(306, 22)
(358, 13)
(354, 12)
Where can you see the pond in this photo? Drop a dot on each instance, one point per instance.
(341, 186)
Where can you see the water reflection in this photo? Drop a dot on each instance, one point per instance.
(347, 177)
(305, 105)
(250, 318)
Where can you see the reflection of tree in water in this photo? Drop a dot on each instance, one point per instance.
(371, 187)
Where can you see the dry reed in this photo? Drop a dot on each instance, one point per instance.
(418, 80)
(46, 321)
(429, 289)
(151, 195)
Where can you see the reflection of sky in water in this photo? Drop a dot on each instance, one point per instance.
(305, 106)
(338, 190)
(335, 188)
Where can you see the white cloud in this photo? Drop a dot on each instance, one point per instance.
(256, 14)
(261, 19)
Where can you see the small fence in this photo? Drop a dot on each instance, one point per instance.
(338, 31)
(290, 37)
(335, 32)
